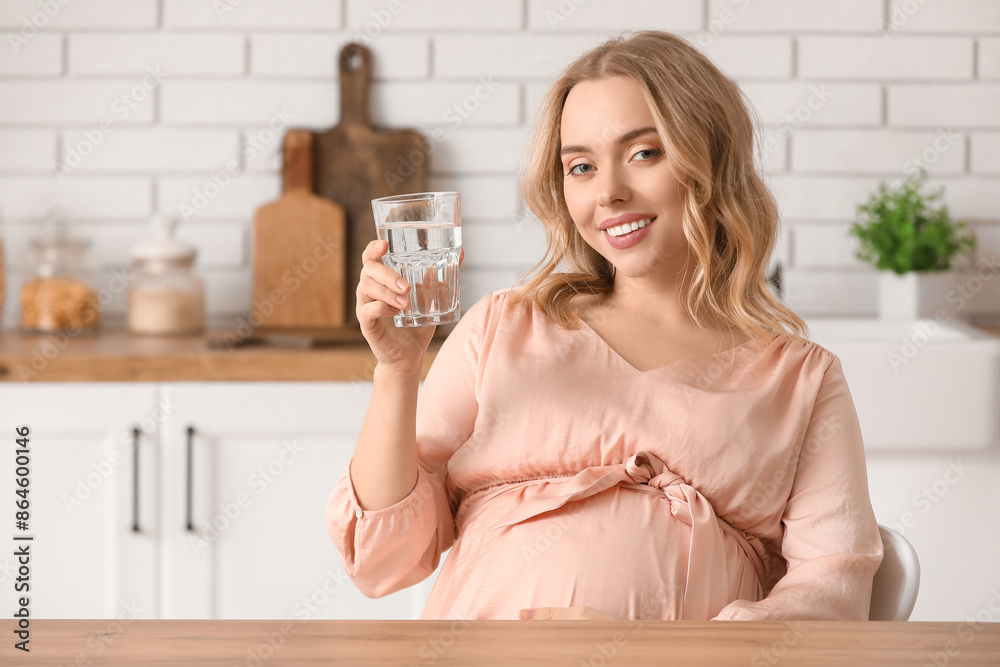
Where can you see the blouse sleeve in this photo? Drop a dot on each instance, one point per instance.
(830, 540)
(387, 550)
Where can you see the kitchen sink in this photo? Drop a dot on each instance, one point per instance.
(918, 383)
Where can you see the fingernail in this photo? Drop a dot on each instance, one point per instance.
(401, 283)
(527, 614)
(402, 301)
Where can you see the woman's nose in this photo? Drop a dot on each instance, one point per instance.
(611, 187)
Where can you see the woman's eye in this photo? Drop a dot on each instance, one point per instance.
(573, 170)
(652, 152)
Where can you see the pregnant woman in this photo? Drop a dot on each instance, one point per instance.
(639, 431)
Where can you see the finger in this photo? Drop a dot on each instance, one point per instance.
(374, 250)
(370, 313)
(372, 290)
(542, 614)
(382, 274)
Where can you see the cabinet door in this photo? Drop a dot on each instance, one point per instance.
(86, 561)
(265, 459)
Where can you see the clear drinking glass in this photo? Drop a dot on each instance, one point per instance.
(424, 231)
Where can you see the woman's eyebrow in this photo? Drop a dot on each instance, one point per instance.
(628, 136)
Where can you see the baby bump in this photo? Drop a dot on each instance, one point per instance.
(621, 551)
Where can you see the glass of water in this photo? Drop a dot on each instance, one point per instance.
(424, 232)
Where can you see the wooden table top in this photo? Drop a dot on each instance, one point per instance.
(204, 643)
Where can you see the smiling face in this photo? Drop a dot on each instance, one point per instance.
(618, 182)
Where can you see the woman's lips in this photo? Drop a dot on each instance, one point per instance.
(630, 239)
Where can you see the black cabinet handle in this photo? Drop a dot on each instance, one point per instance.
(135, 479)
(190, 475)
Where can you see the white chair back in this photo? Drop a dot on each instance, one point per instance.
(895, 585)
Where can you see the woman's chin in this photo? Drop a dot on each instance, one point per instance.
(649, 269)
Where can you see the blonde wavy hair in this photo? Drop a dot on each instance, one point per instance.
(730, 217)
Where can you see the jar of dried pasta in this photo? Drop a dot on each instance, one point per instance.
(166, 297)
(59, 287)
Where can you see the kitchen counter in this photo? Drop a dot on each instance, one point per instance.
(204, 643)
(114, 355)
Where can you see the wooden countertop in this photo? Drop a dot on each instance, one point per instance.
(204, 643)
(114, 355)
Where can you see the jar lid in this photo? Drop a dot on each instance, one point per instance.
(163, 246)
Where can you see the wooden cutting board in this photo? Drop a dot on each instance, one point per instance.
(355, 163)
(298, 250)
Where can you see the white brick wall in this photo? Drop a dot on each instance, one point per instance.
(433, 15)
(241, 14)
(975, 17)
(291, 55)
(64, 15)
(880, 59)
(989, 58)
(577, 15)
(850, 93)
(191, 53)
(796, 16)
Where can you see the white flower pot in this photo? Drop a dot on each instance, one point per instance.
(917, 294)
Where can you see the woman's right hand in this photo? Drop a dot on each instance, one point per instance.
(381, 294)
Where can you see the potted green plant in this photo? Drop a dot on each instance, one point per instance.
(910, 237)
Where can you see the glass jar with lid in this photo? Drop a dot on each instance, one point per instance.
(166, 297)
(59, 287)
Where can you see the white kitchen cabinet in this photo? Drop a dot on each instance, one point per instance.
(265, 457)
(86, 560)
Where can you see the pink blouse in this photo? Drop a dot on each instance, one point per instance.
(729, 487)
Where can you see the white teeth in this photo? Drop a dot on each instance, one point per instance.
(623, 229)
